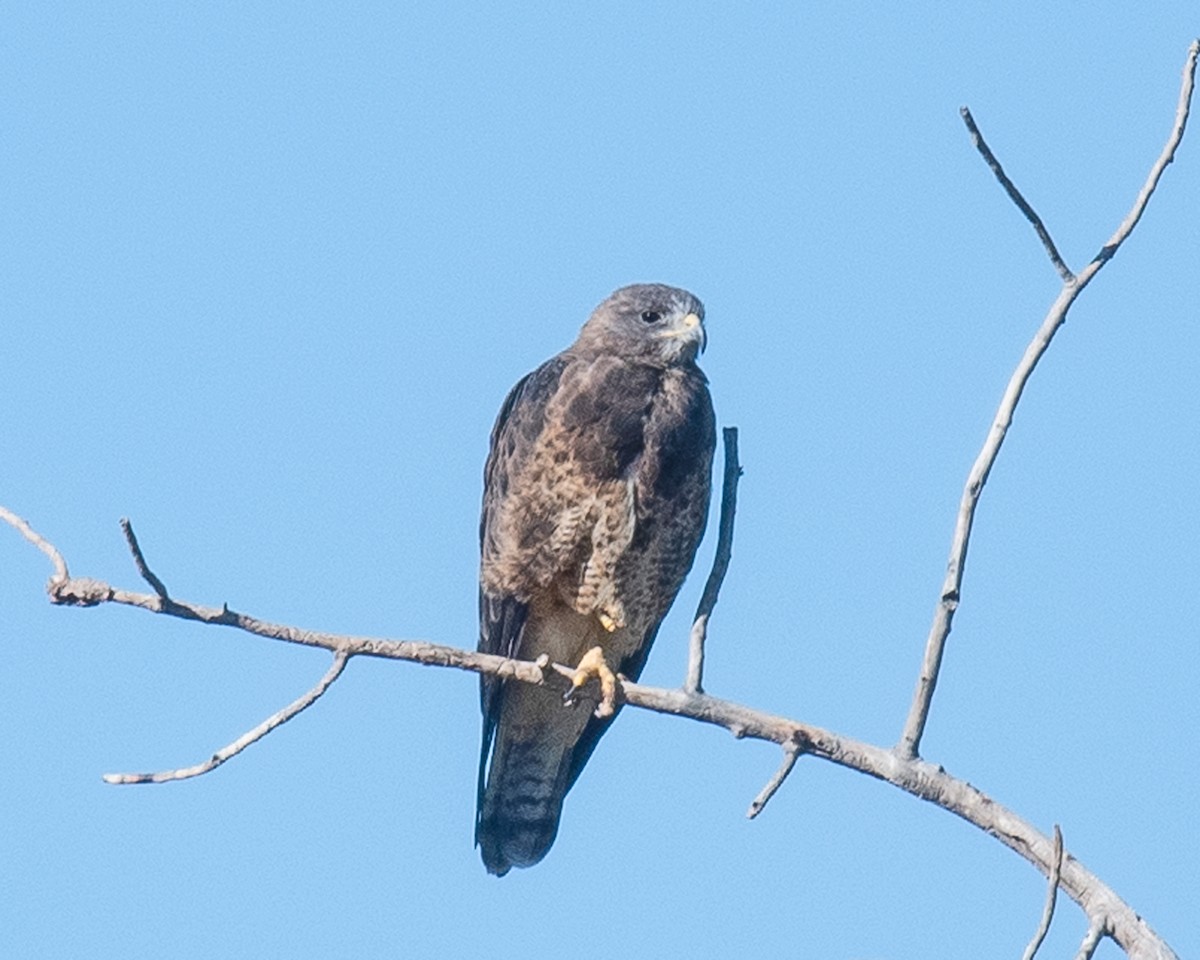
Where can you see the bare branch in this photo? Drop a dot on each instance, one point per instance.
(61, 575)
(918, 714)
(1182, 110)
(140, 561)
(1015, 195)
(1091, 940)
(340, 659)
(1051, 897)
(693, 680)
(791, 753)
(918, 777)
(712, 587)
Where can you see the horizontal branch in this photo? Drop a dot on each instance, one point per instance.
(910, 774)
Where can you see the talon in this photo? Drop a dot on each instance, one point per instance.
(592, 665)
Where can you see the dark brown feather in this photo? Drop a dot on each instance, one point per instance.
(596, 495)
(502, 618)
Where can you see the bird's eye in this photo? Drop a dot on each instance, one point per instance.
(651, 316)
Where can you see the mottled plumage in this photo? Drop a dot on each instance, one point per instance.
(595, 498)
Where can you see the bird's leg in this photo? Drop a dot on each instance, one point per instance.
(592, 665)
(611, 613)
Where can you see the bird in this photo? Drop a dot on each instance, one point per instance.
(596, 496)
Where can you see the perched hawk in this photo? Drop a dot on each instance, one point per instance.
(595, 498)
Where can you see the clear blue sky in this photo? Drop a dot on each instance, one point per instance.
(267, 272)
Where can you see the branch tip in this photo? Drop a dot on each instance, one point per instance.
(791, 753)
(1182, 110)
(1015, 196)
(340, 659)
(139, 560)
(61, 574)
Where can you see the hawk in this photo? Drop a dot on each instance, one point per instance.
(595, 498)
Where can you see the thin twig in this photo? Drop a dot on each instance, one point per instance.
(61, 575)
(139, 559)
(1091, 939)
(1182, 109)
(1051, 897)
(791, 753)
(340, 658)
(712, 587)
(918, 714)
(1015, 195)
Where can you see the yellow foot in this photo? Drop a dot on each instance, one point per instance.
(592, 665)
(608, 623)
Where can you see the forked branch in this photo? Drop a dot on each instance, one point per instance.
(943, 618)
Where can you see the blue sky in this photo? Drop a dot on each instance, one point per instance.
(267, 273)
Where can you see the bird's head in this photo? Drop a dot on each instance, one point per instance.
(648, 322)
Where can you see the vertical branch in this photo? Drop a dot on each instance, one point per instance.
(712, 587)
(943, 618)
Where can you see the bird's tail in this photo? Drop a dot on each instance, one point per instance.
(521, 802)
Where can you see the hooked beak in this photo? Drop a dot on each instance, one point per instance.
(692, 328)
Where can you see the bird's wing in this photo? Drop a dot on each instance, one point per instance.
(502, 616)
(673, 480)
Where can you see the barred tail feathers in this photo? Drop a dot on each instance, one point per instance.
(520, 805)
